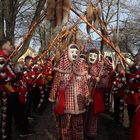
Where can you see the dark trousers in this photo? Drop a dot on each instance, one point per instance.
(10, 109)
(32, 101)
(24, 124)
(131, 112)
(13, 110)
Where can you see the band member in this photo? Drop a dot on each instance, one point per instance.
(8, 99)
(118, 88)
(107, 90)
(28, 77)
(134, 88)
(70, 92)
(21, 86)
(96, 70)
(135, 128)
(42, 74)
(47, 76)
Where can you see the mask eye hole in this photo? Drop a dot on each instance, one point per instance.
(72, 52)
(76, 52)
(90, 55)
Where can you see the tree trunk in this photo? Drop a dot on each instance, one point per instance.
(102, 41)
(10, 12)
(42, 34)
(26, 44)
(1, 21)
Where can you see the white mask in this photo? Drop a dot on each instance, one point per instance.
(92, 58)
(73, 53)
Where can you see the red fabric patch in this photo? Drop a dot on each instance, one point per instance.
(59, 108)
(98, 101)
(135, 129)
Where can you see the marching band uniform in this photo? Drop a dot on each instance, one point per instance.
(107, 90)
(134, 90)
(135, 87)
(47, 76)
(28, 77)
(21, 87)
(42, 75)
(70, 91)
(7, 94)
(38, 90)
(135, 128)
(118, 89)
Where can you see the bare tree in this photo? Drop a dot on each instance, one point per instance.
(130, 27)
(37, 13)
(1, 21)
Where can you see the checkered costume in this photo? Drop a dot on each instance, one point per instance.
(77, 91)
(70, 124)
(96, 97)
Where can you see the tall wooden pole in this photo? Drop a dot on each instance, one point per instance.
(109, 42)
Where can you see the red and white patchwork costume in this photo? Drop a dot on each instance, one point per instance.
(96, 106)
(70, 77)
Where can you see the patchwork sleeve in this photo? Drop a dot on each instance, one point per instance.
(55, 86)
(85, 87)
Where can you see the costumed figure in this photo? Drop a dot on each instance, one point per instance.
(70, 94)
(38, 91)
(96, 83)
(107, 90)
(48, 78)
(118, 88)
(21, 89)
(28, 77)
(6, 76)
(132, 99)
(42, 72)
(135, 127)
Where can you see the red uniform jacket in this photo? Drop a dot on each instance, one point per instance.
(134, 86)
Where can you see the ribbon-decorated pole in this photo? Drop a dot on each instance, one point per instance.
(116, 46)
(41, 73)
(34, 24)
(57, 41)
(90, 40)
(109, 42)
(64, 35)
(88, 37)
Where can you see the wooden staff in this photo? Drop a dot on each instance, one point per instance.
(57, 40)
(71, 31)
(89, 39)
(109, 42)
(34, 24)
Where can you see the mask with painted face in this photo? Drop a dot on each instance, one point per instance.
(73, 52)
(92, 57)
